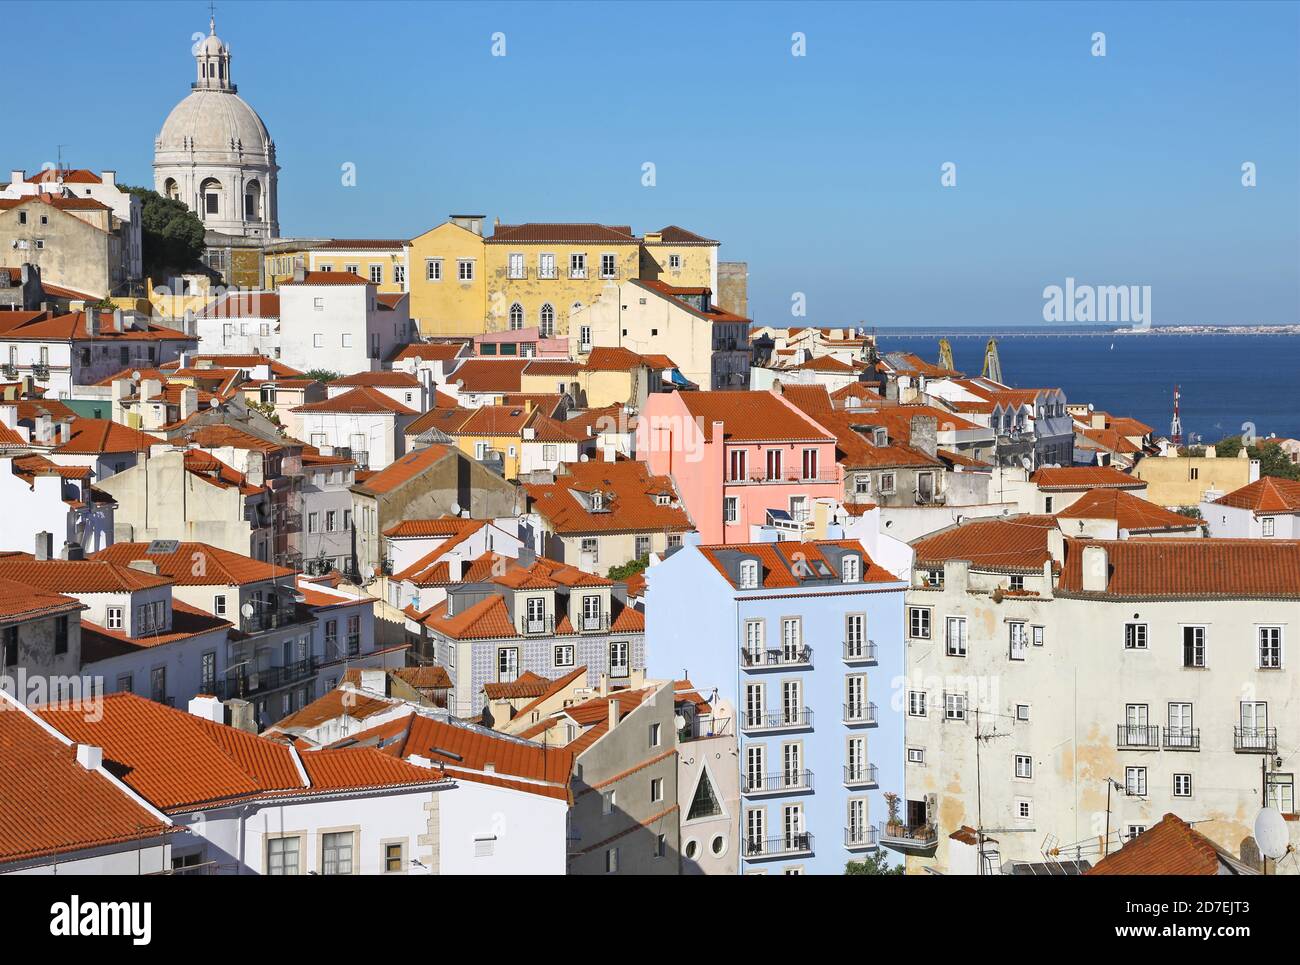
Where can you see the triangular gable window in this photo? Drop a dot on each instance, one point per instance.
(705, 803)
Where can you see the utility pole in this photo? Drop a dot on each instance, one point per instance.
(980, 738)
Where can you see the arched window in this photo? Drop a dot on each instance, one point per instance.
(253, 201)
(516, 316)
(171, 190)
(547, 321)
(210, 192)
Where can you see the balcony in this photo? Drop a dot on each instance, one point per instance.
(1254, 740)
(253, 683)
(860, 715)
(269, 619)
(548, 274)
(9, 370)
(577, 274)
(922, 839)
(1137, 737)
(595, 622)
(791, 845)
(1182, 738)
(535, 626)
(41, 371)
(861, 775)
(787, 782)
(785, 477)
(779, 720)
(860, 651)
(781, 659)
(861, 839)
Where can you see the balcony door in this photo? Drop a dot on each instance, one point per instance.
(774, 464)
(507, 664)
(792, 826)
(791, 701)
(857, 755)
(857, 819)
(791, 639)
(810, 464)
(1254, 719)
(755, 830)
(1180, 725)
(856, 697)
(754, 705)
(792, 764)
(1136, 723)
(755, 759)
(536, 614)
(754, 641)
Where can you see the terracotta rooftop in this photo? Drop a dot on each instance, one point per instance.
(42, 326)
(328, 278)
(489, 375)
(1175, 569)
(1268, 494)
(23, 601)
(93, 436)
(51, 804)
(788, 564)
(1066, 478)
(561, 233)
(1015, 543)
(441, 526)
(362, 399)
(78, 576)
(387, 380)
(100, 643)
(220, 567)
(1169, 847)
(752, 417)
(631, 499)
(1133, 513)
(429, 351)
(243, 305)
(403, 470)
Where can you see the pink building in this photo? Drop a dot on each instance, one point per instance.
(735, 456)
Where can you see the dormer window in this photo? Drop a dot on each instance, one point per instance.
(748, 574)
(662, 499)
(597, 500)
(851, 569)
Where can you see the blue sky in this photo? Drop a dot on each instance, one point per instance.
(822, 171)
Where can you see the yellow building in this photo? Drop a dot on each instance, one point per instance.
(448, 294)
(536, 276)
(1184, 480)
(382, 262)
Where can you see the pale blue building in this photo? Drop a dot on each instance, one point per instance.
(805, 641)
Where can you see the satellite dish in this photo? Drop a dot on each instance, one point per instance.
(135, 376)
(455, 509)
(680, 721)
(1271, 833)
(213, 403)
(247, 610)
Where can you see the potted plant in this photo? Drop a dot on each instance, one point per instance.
(894, 825)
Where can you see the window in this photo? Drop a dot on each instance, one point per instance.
(618, 658)
(660, 846)
(1024, 809)
(1266, 526)
(656, 734)
(515, 265)
(433, 269)
(313, 522)
(564, 655)
(748, 574)
(862, 485)
(508, 663)
(1022, 711)
(1193, 646)
(810, 464)
(354, 635)
(578, 265)
(611, 861)
(1135, 781)
(916, 703)
(887, 482)
(10, 646)
(1037, 633)
(1281, 792)
(394, 860)
(1270, 648)
(1019, 641)
(855, 637)
(282, 856)
(674, 262)
(956, 637)
(916, 755)
(656, 789)
(1182, 785)
(208, 671)
(608, 266)
(1135, 636)
(377, 274)
(516, 316)
(546, 265)
(918, 620)
(954, 706)
(1134, 830)
(546, 321)
(607, 801)
(933, 579)
(1024, 766)
(705, 802)
(851, 569)
(738, 464)
(584, 336)
(730, 511)
(1017, 583)
(336, 853)
(465, 269)
(115, 614)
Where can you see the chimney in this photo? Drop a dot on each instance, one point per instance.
(254, 469)
(925, 434)
(189, 402)
(44, 545)
(73, 551)
(44, 426)
(956, 575)
(93, 323)
(613, 714)
(64, 430)
(109, 178)
(375, 681)
(117, 320)
(299, 273)
(609, 452)
(149, 388)
(144, 566)
(526, 557)
(17, 177)
(241, 716)
(90, 757)
(1096, 568)
(207, 707)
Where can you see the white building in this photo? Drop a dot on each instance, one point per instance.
(1062, 689)
(363, 423)
(1268, 508)
(335, 321)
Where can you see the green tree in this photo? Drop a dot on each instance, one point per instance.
(874, 864)
(171, 235)
(622, 572)
(1273, 461)
(322, 375)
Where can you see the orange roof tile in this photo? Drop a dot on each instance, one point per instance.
(526, 685)
(752, 417)
(93, 436)
(1268, 494)
(51, 805)
(100, 643)
(388, 380)
(430, 351)
(441, 526)
(42, 326)
(605, 358)
(24, 601)
(1174, 569)
(1018, 543)
(78, 576)
(631, 499)
(328, 278)
(403, 470)
(1133, 513)
(362, 399)
(781, 562)
(489, 375)
(1084, 477)
(221, 567)
(1169, 847)
(339, 702)
(561, 233)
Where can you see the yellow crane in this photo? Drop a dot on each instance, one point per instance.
(992, 364)
(945, 355)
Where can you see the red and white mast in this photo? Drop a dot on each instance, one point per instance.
(1176, 427)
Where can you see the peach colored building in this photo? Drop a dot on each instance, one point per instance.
(736, 456)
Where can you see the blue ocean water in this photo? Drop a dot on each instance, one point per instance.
(1225, 380)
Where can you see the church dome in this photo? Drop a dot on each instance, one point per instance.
(214, 121)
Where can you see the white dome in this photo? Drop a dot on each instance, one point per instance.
(216, 121)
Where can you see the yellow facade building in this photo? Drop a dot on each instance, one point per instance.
(382, 261)
(1184, 480)
(537, 276)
